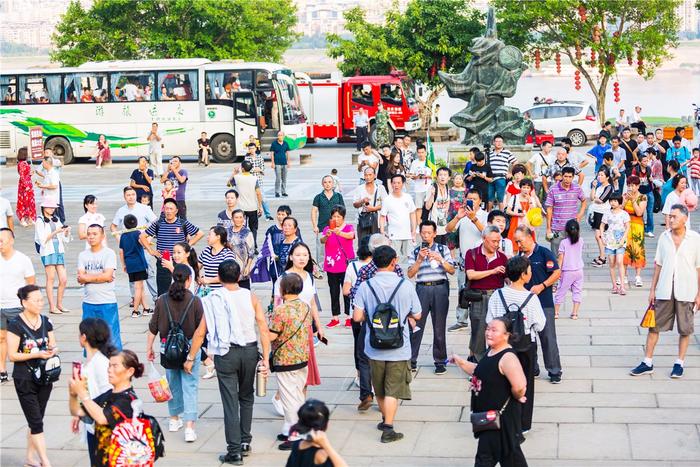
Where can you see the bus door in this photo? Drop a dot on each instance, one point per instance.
(245, 119)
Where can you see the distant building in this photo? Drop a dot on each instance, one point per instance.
(326, 16)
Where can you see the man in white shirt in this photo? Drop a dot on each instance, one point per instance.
(130, 91)
(155, 148)
(16, 271)
(469, 221)
(50, 184)
(7, 219)
(368, 158)
(397, 219)
(422, 177)
(674, 288)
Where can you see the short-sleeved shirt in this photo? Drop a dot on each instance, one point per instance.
(564, 203)
(5, 212)
(628, 147)
(168, 234)
(134, 258)
(138, 178)
(426, 271)
(154, 146)
(598, 151)
(420, 168)
(324, 206)
(619, 155)
(500, 162)
(360, 120)
(89, 219)
(361, 192)
(405, 301)
(210, 262)
(53, 178)
(478, 183)
(532, 312)
(614, 237)
(115, 406)
(97, 263)
(279, 152)
(469, 234)
(476, 260)
(679, 266)
(573, 255)
(543, 264)
(14, 273)
(682, 155)
(397, 211)
(540, 164)
(371, 159)
(144, 215)
(30, 341)
(180, 187)
(290, 321)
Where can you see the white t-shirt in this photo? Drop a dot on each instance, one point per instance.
(5, 212)
(397, 212)
(130, 91)
(89, 219)
(361, 192)
(469, 234)
(352, 270)
(154, 145)
(97, 263)
(671, 199)
(308, 291)
(540, 164)
(144, 215)
(96, 371)
(53, 178)
(534, 316)
(371, 160)
(14, 273)
(419, 167)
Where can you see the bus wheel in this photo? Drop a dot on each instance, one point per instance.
(223, 148)
(61, 148)
(373, 135)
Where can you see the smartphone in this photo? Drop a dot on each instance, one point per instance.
(165, 255)
(324, 340)
(77, 368)
(470, 204)
(424, 245)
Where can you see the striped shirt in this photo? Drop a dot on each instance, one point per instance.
(500, 162)
(564, 204)
(210, 262)
(426, 271)
(535, 319)
(168, 234)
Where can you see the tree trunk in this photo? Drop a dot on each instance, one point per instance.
(600, 100)
(425, 106)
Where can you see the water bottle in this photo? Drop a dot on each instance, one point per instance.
(260, 383)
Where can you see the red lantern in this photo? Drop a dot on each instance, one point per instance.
(577, 80)
(629, 59)
(593, 57)
(433, 71)
(557, 59)
(582, 13)
(640, 63)
(578, 52)
(443, 63)
(616, 91)
(538, 59)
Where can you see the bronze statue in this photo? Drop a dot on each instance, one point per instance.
(490, 76)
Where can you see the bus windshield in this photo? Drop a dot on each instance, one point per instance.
(409, 87)
(290, 100)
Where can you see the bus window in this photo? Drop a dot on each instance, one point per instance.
(245, 108)
(362, 94)
(85, 87)
(8, 90)
(180, 85)
(391, 94)
(132, 86)
(291, 105)
(222, 84)
(263, 80)
(39, 89)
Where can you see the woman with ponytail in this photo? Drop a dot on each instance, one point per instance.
(181, 306)
(214, 254)
(185, 254)
(96, 339)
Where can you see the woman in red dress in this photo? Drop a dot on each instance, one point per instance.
(26, 207)
(103, 153)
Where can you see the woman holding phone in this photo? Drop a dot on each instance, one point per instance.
(50, 237)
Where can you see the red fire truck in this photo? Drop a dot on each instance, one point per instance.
(331, 101)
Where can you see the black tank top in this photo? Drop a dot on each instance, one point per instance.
(490, 389)
(305, 457)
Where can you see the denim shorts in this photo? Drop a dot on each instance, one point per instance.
(615, 251)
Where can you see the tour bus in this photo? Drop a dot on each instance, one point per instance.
(230, 100)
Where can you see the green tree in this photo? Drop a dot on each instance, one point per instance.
(428, 36)
(137, 29)
(614, 31)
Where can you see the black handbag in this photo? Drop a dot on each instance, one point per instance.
(489, 420)
(43, 371)
(367, 220)
(468, 295)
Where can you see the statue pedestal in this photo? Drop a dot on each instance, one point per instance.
(522, 152)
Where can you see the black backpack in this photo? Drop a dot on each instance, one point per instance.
(177, 345)
(514, 313)
(385, 327)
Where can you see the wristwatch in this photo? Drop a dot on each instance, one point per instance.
(190, 358)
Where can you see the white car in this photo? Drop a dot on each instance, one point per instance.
(576, 120)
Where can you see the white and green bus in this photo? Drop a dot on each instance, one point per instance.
(121, 99)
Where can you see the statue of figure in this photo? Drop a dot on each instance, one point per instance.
(490, 76)
(381, 122)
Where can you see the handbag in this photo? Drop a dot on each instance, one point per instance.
(44, 371)
(367, 220)
(488, 420)
(468, 295)
(649, 318)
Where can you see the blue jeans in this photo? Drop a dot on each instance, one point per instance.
(621, 183)
(109, 312)
(266, 209)
(184, 388)
(497, 190)
(649, 221)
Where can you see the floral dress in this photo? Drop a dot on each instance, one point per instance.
(26, 206)
(457, 198)
(635, 255)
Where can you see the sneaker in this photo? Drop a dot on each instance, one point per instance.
(285, 194)
(348, 323)
(333, 323)
(269, 218)
(235, 459)
(391, 436)
(285, 446)
(617, 282)
(190, 435)
(277, 405)
(281, 437)
(677, 371)
(650, 234)
(245, 449)
(536, 373)
(4, 378)
(457, 327)
(211, 372)
(277, 195)
(440, 369)
(131, 303)
(642, 369)
(638, 282)
(381, 426)
(555, 379)
(365, 404)
(175, 425)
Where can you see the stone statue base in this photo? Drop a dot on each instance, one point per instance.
(457, 155)
(522, 152)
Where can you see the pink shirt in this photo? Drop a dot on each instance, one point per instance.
(339, 251)
(573, 255)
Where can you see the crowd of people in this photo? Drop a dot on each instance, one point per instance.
(509, 234)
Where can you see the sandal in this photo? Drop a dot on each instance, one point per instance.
(135, 313)
(211, 372)
(574, 316)
(63, 310)
(56, 312)
(556, 315)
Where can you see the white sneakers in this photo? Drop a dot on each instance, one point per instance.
(175, 425)
(190, 435)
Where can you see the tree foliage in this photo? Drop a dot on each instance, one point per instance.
(138, 29)
(615, 31)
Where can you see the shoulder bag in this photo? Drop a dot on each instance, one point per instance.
(274, 352)
(43, 371)
(367, 220)
(488, 420)
(468, 295)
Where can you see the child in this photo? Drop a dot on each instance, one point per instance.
(694, 171)
(498, 218)
(517, 206)
(168, 191)
(613, 171)
(146, 200)
(134, 261)
(571, 261)
(204, 149)
(336, 180)
(252, 139)
(617, 222)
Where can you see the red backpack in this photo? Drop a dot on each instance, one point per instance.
(137, 441)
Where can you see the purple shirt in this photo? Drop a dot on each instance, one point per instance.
(573, 255)
(564, 204)
(180, 187)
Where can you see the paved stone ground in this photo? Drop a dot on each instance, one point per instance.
(598, 416)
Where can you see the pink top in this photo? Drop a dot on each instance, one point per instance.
(339, 251)
(573, 255)
(172, 194)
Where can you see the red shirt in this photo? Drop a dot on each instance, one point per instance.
(476, 260)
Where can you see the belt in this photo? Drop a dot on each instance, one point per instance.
(249, 344)
(426, 284)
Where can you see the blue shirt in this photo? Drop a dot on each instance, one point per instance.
(134, 258)
(682, 155)
(405, 301)
(598, 151)
(279, 152)
(543, 263)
